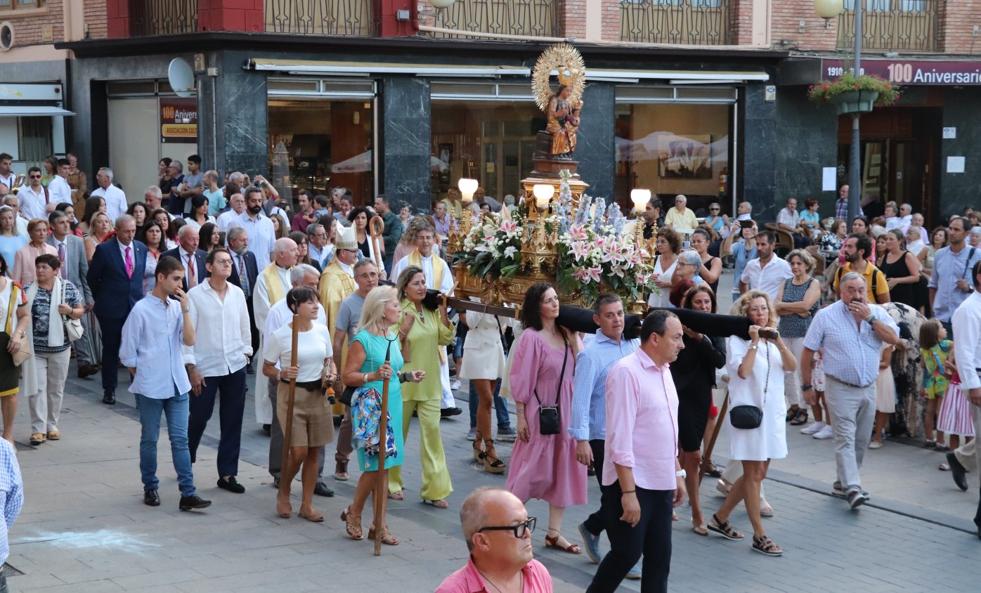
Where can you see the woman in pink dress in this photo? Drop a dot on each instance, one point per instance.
(545, 466)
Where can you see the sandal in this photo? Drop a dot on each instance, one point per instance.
(799, 418)
(439, 504)
(944, 467)
(313, 516)
(340, 471)
(283, 509)
(764, 545)
(700, 530)
(492, 463)
(386, 537)
(396, 495)
(930, 444)
(552, 541)
(352, 524)
(478, 451)
(724, 529)
(792, 413)
(37, 438)
(709, 469)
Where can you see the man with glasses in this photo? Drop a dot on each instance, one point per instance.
(498, 531)
(216, 362)
(950, 283)
(317, 244)
(33, 197)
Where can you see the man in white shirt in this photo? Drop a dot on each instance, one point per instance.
(32, 196)
(216, 362)
(788, 219)
(59, 192)
(152, 339)
(7, 177)
(278, 316)
(262, 234)
(317, 248)
(236, 205)
(154, 199)
(766, 272)
(271, 286)
(967, 349)
(115, 198)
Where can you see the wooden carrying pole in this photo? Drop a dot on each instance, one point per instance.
(284, 484)
(718, 425)
(381, 488)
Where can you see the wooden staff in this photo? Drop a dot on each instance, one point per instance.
(381, 488)
(376, 226)
(284, 484)
(718, 426)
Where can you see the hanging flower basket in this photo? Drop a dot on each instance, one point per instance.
(855, 101)
(855, 94)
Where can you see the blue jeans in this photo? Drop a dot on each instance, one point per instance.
(500, 408)
(176, 409)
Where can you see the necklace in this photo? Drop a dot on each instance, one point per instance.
(491, 583)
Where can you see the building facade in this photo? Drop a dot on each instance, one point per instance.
(701, 97)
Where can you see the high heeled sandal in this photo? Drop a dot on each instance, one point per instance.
(386, 537)
(352, 524)
(492, 463)
(552, 541)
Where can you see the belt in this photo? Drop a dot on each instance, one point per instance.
(847, 383)
(308, 385)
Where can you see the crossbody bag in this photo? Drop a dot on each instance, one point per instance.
(550, 417)
(748, 417)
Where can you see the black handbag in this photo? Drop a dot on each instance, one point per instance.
(549, 417)
(748, 417)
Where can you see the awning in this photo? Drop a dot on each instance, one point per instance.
(33, 111)
(342, 68)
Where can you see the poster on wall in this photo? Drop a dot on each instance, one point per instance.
(178, 120)
(684, 157)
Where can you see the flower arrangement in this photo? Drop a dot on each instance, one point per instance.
(825, 92)
(492, 248)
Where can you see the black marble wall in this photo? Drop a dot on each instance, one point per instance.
(758, 152)
(958, 190)
(241, 125)
(406, 138)
(596, 147)
(807, 141)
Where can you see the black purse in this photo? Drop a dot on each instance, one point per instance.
(549, 417)
(749, 417)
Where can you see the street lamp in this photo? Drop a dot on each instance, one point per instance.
(830, 9)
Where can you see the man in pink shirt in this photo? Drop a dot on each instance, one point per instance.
(641, 464)
(498, 533)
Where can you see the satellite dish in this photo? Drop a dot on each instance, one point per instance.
(181, 77)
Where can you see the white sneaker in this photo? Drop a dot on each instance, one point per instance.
(824, 434)
(455, 384)
(875, 445)
(813, 427)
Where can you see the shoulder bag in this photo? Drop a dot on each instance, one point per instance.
(550, 417)
(748, 417)
(24, 352)
(72, 326)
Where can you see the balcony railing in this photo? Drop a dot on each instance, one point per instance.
(163, 17)
(321, 17)
(891, 25)
(533, 18)
(684, 22)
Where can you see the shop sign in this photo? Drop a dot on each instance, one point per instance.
(911, 72)
(178, 120)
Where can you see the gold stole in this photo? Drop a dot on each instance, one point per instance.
(415, 259)
(274, 284)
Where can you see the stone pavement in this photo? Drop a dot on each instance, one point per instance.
(85, 529)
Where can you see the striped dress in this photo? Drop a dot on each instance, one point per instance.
(955, 411)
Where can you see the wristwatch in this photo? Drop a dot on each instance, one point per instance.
(806, 387)
(681, 474)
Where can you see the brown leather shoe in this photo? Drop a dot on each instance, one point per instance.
(87, 370)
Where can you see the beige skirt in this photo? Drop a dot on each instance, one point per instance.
(312, 422)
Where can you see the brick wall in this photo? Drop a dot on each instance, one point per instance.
(37, 26)
(787, 18)
(571, 18)
(96, 19)
(611, 20)
(957, 22)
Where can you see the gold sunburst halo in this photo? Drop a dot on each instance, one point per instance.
(568, 63)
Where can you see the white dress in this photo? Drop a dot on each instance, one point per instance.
(660, 296)
(769, 439)
(483, 352)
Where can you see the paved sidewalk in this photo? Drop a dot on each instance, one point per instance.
(85, 529)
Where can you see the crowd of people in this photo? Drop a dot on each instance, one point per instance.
(212, 286)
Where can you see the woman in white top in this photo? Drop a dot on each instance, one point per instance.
(756, 367)
(667, 246)
(199, 214)
(483, 364)
(312, 423)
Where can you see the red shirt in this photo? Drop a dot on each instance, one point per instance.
(468, 580)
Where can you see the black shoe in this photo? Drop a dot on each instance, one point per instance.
(189, 503)
(231, 484)
(275, 483)
(856, 498)
(957, 471)
(267, 429)
(321, 489)
(109, 397)
(151, 498)
(249, 369)
(447, 412)
(87, 370)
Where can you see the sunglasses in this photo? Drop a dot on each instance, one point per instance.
(35, 176)
(714, 209)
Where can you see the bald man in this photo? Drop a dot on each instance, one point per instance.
(272, 284)
(498, 531)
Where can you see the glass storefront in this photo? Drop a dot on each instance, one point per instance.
(674, 147)
(489, 136)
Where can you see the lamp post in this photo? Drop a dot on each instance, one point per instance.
(828, 9)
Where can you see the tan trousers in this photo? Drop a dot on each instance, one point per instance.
(52, 371)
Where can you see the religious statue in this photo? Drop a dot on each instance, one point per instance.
(563, 123)
(564, 106)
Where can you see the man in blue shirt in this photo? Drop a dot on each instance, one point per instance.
(11, 500)
(588, 424)
(950, 283)
(151, 349)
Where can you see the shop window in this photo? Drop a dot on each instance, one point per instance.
(673, 149)
(35, 139)
(490, 141)
(320, 144)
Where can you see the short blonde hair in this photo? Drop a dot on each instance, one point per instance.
(742, 305)
(373, 309)
(804, 257)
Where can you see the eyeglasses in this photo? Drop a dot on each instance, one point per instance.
(35, 176)
(349, 250)
(714, 209)
(519, 530)
(223, 262)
